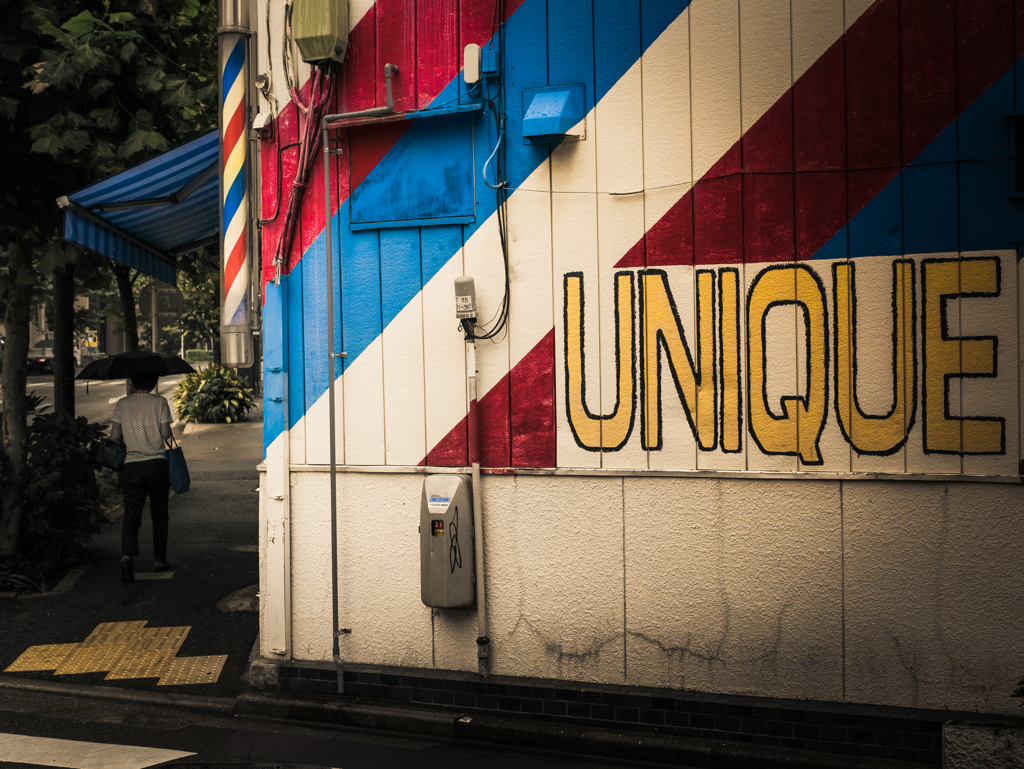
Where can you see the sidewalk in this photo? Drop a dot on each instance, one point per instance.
(213, 544)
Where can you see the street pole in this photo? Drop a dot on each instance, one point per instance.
(63, 340)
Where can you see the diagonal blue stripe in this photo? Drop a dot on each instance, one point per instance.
(526, 66)
(232, 68)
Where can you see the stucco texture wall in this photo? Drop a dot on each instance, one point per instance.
(890, 593)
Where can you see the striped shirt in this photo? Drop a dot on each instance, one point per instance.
(140, 416)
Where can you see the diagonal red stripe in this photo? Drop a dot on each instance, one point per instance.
(234, 262)
(873, 102)
(233, 131)
(531, 387)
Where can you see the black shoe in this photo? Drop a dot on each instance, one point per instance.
(127, 570)
(163, 566)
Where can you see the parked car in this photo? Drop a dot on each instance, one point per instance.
(40, 364)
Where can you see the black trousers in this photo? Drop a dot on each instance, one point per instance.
(139, 480)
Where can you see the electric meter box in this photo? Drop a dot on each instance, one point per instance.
(447, 580)
(320, 29)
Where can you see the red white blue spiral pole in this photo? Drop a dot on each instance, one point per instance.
(235, 259)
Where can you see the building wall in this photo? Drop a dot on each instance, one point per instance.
(765, 325)
(902, 594)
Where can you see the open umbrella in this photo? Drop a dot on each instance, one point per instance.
(123, 365)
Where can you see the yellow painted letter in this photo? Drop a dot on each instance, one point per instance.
(660, 327)
(867, 434)
(949, 356)
(732, 384)
(798, 432)
(600, 433)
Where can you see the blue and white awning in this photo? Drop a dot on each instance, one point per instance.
(146, 216)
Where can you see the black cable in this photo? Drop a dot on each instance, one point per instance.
(499, 322)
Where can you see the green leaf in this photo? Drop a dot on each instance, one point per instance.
(11, 52)
(104, 152)
(74, 120)
(82, 24)
(76, 140)
(206, 92)
(65, 71)
(150, 79)
(8, 107)
(132, 145)
(143, 119)
(106, 118)
(89, 57)
(178, 93)
(48, 145)
(48, 28)
(128, 51)
(122, 17)
(156, 141)
(100, 87)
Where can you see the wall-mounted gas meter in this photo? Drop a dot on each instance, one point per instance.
(446, 542)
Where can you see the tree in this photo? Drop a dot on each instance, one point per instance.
(198, 279)
(87, 88)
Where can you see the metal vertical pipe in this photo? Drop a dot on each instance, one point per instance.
(335, 630)
(483, 643)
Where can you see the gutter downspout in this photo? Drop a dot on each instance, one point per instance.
(483, 643)
(337, 631)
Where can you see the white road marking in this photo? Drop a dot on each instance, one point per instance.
(115, 400)
(73, 754)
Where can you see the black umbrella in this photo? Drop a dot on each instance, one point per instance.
(123, 365)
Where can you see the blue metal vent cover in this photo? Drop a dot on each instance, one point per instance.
(549, 113)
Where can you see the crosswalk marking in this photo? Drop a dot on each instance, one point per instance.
(72, 754)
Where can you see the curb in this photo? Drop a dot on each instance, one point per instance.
(452, 726)
(545, 736)
(221, 705)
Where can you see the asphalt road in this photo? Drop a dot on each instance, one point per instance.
(100, 729)
(94, 400)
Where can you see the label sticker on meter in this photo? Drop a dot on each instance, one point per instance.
(437, 527)
(436, 501)
(463, 304)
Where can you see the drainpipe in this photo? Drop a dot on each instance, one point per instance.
(483, 643)
(236, 261)
(337, 631)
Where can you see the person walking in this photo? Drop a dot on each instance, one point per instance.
(143, 421)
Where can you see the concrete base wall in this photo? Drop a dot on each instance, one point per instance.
(902, 594)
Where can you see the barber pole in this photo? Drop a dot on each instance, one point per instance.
(236, 263)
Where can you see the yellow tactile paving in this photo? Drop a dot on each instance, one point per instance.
(47, 657)
(108, 633)
(98, 658)
(193, 670)
(125, 650)
(148, 653)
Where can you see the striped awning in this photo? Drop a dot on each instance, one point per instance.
(146, 216)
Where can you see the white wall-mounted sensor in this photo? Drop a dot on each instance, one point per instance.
(261, 124)
(471, 64)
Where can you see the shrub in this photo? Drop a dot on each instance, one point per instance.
(62, 497)
(215, 394)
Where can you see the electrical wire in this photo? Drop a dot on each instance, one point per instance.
(497, 326)
(319, 94)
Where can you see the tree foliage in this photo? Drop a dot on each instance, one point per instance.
(87, 88)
